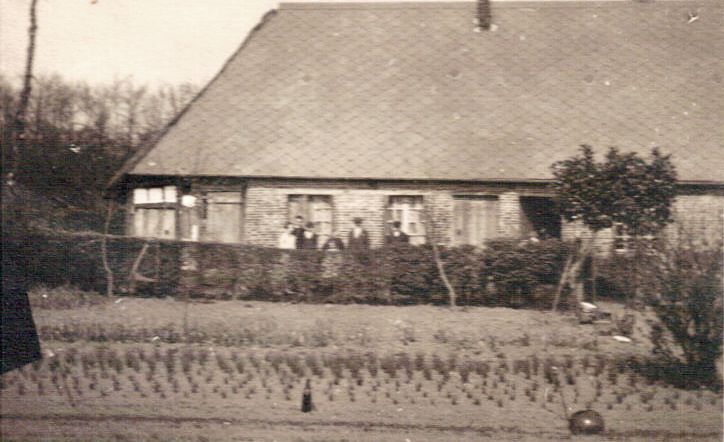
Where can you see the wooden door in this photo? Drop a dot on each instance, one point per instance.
(223, 217)
(475, 220)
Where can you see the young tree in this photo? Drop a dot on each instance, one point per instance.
(624, 189)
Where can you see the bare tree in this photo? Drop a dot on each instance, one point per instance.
(19, 123)
(432, 236)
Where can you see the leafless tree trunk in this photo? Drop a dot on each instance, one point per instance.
(573, 268)
(18, 138)
(104, 250)
(438, 260)
(134, 270)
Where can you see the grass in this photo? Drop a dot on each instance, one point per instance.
(493, 367)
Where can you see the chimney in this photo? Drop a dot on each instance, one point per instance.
(484, 17)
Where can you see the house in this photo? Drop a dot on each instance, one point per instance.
(409, 112)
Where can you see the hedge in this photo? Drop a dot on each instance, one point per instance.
(507, 273)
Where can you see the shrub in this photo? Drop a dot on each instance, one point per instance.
(518, 269)
(391, 275)
(468, 274)
(412, 273)
(76, 261)
(688, 304)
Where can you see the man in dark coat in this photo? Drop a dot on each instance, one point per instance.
(397, 237)
(358, 240)
(298, 230)
(309, 238)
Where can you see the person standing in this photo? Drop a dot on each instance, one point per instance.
(298, 231)
(307, 404)
(287, 239)
(332, 260)
(333, 244)
(358, 240)
(397, 236)
(309, 238)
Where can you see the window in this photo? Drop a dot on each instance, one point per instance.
(475, 219)
(154, 212)
(316, 209)
(223, 216)
(408, 210)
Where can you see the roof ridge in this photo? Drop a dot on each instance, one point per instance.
(507, 4)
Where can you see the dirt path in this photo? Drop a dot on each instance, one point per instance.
(146, 427)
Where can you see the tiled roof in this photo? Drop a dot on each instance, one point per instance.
(411, 91)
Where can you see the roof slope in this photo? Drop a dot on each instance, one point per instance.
(410, 91)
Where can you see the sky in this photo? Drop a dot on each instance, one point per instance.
(151, 42)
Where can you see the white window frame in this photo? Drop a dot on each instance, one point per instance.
(323, 228)
(409, 210)
(160, 201)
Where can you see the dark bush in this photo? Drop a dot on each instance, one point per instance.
(76, 260)
(688, 303)
(519, 269)
(467, 272)
(619, 274)
(613, 277)
(413, 276)
(392, 275)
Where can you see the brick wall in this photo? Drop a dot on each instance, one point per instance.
(699, 216)
(266, 206)
(698, 211)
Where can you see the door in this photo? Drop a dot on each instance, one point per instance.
(475, 219)
(223, 217)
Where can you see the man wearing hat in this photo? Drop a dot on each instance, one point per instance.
(358, 240)
(397, 237)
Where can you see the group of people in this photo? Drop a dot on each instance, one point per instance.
(301, 236)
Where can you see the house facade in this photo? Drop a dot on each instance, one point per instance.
(407, 112)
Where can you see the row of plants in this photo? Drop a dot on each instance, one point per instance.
(591, 381)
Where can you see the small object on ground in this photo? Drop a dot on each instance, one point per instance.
(586, 422)
(620, 338)
(307, 397)
(586, 312)
(589, 313)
